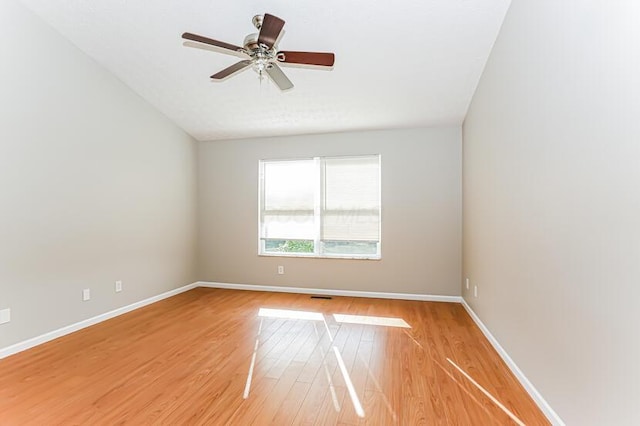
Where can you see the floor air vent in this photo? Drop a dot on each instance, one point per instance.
(322, 297)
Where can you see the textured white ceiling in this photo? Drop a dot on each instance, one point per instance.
(405, 63)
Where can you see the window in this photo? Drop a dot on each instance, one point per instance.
(320, 207)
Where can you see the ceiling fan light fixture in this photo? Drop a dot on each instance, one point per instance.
(260, 65)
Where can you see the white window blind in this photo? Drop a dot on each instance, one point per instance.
(325, 206)
(351, 207)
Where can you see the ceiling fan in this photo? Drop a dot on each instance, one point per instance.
(261, 52)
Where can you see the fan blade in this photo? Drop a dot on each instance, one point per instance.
(233, 69)
(307, 58)
(278, 77)
(270, 30)
(216, 49)
(207, 40)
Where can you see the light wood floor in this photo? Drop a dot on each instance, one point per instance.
(206, 357)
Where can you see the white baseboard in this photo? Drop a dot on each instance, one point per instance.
(43, 338)
(333, 292)
(551, 415)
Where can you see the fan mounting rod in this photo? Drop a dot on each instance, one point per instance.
(257, 21)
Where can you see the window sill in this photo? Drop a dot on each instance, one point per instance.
(314, 256)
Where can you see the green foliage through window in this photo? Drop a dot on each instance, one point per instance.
(289, 246)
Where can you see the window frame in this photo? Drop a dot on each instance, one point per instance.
(317, 241)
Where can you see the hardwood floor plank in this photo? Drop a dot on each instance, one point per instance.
(288, 410)
(331, 407)
(206, 357)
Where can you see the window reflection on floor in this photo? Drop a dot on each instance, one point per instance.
(290, 314)
(371, 320)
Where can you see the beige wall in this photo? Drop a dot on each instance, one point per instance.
(552, 203)
(95, 186)
(421, 223)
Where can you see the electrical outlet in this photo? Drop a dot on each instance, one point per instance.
(5, 316)
(118, 286)
(280, 270)
(475, 290)
(467, 281)
(86, 294)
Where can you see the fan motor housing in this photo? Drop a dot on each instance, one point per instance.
(251, 42)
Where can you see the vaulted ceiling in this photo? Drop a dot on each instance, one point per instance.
(405, 63)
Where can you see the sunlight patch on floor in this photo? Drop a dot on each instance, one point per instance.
(347, 380)
(484, 391)
(247, 386)
(290, 314)
(371, 320)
